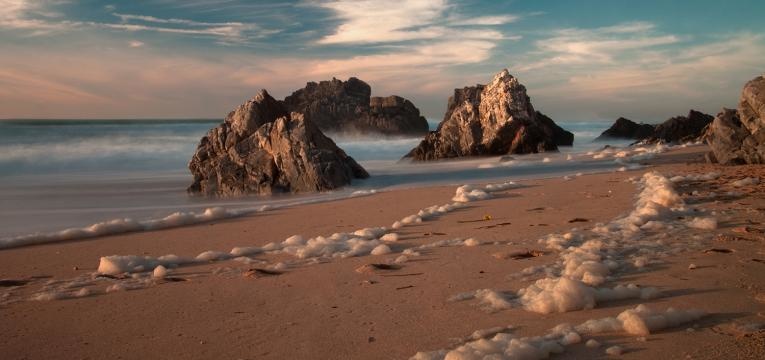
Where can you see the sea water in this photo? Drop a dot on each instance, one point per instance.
(57, 174)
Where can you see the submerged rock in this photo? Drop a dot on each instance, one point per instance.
(262, 148)
(493, 119)
(738, 137)
(624, 128)
(346, 106)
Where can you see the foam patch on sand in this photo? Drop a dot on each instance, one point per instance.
(555, 295)
(588, 259)
(503, 345)
(748, 181)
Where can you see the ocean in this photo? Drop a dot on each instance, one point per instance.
(60, 174)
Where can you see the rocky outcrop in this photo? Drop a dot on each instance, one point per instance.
(262, 148)
(681, 128)
(624, 128)
(559, 135)
(346, 106)
(738, 137)
(392, 115)
(493, 119)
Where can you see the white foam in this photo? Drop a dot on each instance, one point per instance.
(119, 226)
(118, 264)
(160, 272)
(747, 181)
(381, 249)
(471, 242)
(615, 350)
(502, 345)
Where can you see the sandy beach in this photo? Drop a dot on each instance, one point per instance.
(333, 308)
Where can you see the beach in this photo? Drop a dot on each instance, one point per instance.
(276, 305)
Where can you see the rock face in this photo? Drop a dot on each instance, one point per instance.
(682, 128)
(559, 135)
(262, 148)
(627, 129)
(738, 137)
(493, 119)
(346, 106)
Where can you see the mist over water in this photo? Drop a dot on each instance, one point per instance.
(56, 174)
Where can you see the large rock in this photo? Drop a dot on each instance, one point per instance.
(624, 128)
(493, 119)
(559, 135)
(738, 137)
(262, 148)
(751, 106)
(346, 106)
(682, 128)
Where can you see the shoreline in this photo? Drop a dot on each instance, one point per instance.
(489, 169)
(349, 315)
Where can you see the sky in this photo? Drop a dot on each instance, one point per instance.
(579, 60)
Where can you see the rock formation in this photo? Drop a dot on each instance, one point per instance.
(681, 128)
(627, 129)
(493, 119)
(346, 106)
(559, 135)
(677, 129)
(738, 137)
(262, 148)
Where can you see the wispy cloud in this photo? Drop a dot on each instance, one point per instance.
(371, 22)
(32, 16)
(36, 17)
(602, 45)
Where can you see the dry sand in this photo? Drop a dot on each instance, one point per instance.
(331, 311)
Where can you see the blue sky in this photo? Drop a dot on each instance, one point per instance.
(580, 60)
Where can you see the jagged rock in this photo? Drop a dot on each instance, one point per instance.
(751, 106)
(493, 119)
(682, 128)
(261, 148)
(346, 106)
(738, 137)
(624, 128)
(560, 136)
(725, 137)
(392, 115)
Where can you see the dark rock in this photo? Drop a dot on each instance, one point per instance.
(261, 148)
(392, 115)
(725, 137)
(560, 136)
(738, 137)
(682, 128)
(493, 119)
(346, 106)
(627, 129)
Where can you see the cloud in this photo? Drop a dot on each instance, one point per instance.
(487, 20)
(374, 22)
(371, 21)
(642, 78)
(36, 17)
(29, 15)
(573, 46)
